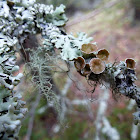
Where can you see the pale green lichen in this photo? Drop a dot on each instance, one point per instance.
(42, 64)
(11, 112)
(69, 45)
(11, 107)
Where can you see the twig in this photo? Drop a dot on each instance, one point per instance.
(63, 96)
(134, 132)
(32, 116)
(102, 120)
(135, 128)
(66, 87)
(110, 131)
(132, 103)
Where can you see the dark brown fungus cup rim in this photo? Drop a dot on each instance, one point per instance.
(103, 54)
(79, 63)
(130, 63)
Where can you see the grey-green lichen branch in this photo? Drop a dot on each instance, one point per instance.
(18, 19)
(21, 18)
(11, 105)
(42, 66)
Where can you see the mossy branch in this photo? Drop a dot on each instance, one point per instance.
(21, 18)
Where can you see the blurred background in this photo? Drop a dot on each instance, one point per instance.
(114, 25)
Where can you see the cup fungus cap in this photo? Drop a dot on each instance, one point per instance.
(79, 63)
(103, 54)
(88, 48)
(130, 63)
(97, 66)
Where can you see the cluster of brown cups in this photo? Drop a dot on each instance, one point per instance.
(93, 60)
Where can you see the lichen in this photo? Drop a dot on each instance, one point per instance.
(11, 107)
(41, 66)
(19, 19)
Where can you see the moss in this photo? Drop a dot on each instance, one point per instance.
(23, 129)
(121, 119)
(75, 130)
(81, 108)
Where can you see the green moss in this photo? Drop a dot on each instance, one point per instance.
(75, 129)
(39, 135)
(23, 129)
(121, 119)
(81, 108)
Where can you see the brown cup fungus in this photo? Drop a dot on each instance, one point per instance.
(103, 54)
(79, 63)
(97, 66)
(88, 48)
(86, 70)
(130, 63)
